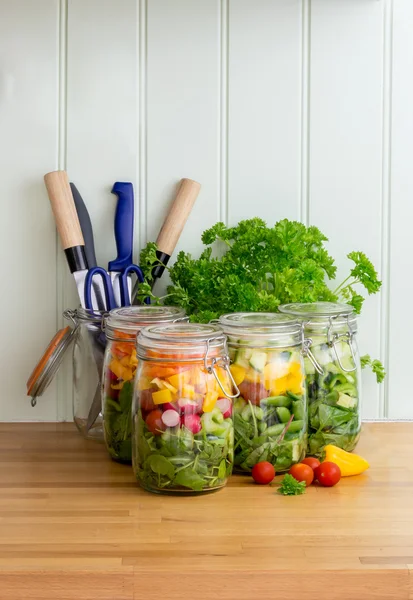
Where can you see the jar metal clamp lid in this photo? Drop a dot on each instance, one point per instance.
(333, 316)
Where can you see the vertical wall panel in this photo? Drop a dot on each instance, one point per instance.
(264, 123)
(401, 238)
(183, 111)
(346, 61)
(28, 125)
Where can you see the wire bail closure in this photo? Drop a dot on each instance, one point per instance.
(333, 338)
(306, 352)
(224, 360)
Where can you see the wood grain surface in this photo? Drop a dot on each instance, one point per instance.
(75, 525)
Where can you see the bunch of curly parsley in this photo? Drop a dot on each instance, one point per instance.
(257, 268)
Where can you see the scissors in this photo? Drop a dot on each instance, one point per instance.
(107, 286)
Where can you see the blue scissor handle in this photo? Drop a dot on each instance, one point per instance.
(107, 286)
(123, 226)
(123, 282)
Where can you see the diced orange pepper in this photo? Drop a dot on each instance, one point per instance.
(162, 397)
(134, 359)
(125, 361)
(209, 401)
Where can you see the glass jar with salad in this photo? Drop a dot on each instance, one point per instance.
(270, 415)
(121, 327)
(332, 374)
(183, 437)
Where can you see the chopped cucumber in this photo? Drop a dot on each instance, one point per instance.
(308, 366)
(346, 401)
(258, 360)
(242, 357)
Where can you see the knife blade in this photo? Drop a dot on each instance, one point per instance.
(87, 231)
(68, 226)
(123, 235)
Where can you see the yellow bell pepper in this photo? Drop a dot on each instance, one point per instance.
(209, 401)
(350, 464)
(179, 379)
(188, 391)
(133, 359)
(295, 369)
(238, 373)
(144, 383)
(295, 383)
(279, 386)
(162, 397)
(120, 370)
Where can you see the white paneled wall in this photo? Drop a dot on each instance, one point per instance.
(280, 108)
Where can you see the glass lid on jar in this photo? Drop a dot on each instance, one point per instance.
(320, 312)
(261, 329)
(181, 341)
(131, 319)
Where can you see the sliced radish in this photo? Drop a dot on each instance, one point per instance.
(192, 422)
(170, 418)
(225, 407)
(188, 407)
(170, 406)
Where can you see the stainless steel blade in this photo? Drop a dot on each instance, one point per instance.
(115, 279)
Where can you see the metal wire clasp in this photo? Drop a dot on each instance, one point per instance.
(333, 338)
(306, 345)
(224, 360)
(71, 315)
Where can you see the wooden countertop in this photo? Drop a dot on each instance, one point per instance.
(75, 525)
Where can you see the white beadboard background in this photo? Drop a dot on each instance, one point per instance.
(280, 108)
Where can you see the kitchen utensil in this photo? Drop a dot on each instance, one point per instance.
(86, 226)
(174, 223)
(107, 286)
(123, 235)
(87, 231)
(68, 226)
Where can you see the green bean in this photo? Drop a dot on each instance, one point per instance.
(283, 414)
(277, 401)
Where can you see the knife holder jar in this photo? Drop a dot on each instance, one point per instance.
(88, 354)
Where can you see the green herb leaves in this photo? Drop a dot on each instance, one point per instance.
(376, 367)
(291, 487)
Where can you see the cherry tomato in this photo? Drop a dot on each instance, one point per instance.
(254, 392)
(328, 474)
(302, 472)
(263, 473)
(145, 400)
(154, 422)
(311, 462)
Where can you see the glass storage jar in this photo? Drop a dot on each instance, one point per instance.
(88, 353)
(270, 415)
(121, 327)
(183, 438)
(332, 374)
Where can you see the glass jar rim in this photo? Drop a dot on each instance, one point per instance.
(92, 316)
(261, 322)
(131, 319)
(321, 313)
(181, 339)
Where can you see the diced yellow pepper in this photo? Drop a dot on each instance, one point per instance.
(133, 359)
(162, 397)
(295, 384)
(179, 379)
(117, 386)
(238, 373)
(144, 384)
(120, 371)
(279, 386)
(209, 401)
(295, 369)
(125, 361)
(223, 377)
(188, 391)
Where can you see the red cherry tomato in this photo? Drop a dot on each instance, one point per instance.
(154, 422)
(311, 462)
(328, 474)
(302, 472)
(263, 473)
(145, 400)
